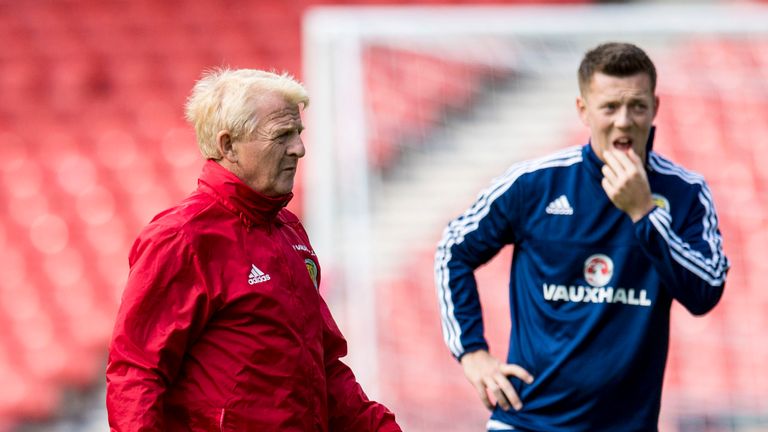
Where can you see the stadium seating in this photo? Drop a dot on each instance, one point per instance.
(720, 137)
(408, 92)
(93, 144)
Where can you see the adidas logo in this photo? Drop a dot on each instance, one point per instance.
(257, 276)
(560, 206)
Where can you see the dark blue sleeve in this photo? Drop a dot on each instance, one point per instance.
(690, 260)
(468, 242)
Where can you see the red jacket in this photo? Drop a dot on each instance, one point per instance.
(222, 328)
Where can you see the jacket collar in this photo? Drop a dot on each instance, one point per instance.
(594, 165)
(251, 206)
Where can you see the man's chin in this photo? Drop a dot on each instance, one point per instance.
(285, 189)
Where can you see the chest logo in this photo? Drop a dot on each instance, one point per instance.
(257, 276)
(661, 202)
(598, 270)
(312, 270)
(303, 248)
(560, 206)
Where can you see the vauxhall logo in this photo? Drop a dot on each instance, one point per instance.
(598, 271)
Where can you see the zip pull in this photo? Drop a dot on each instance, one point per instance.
(245, 221)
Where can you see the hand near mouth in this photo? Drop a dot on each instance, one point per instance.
(626, 183)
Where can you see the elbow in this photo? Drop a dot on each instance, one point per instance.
(707, 301)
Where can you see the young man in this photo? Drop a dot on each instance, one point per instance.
(605, 237)
(221, 325)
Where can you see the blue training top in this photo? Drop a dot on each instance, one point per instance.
(590, 292)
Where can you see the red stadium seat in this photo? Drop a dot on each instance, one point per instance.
(408, 93)
(94, 143)
(712, 138)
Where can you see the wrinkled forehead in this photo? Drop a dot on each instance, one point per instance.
(274, 108)
(285, 116)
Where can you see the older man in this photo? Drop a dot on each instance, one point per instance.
(221, 325)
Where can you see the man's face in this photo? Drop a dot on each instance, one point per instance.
(619, 112)
(267, 162)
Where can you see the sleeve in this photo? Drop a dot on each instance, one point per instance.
(164, 306)
(468, 242)
(690, 260)
(349, 409)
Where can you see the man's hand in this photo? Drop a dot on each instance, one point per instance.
(488, 374)
(626, 183)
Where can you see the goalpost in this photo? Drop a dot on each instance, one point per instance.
(401, 96)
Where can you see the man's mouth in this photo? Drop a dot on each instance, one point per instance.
(623, 144)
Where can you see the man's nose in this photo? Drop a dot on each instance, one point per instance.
(296, 148)
(622, 119)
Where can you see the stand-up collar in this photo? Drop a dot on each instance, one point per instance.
(251, 206)
(594, 165)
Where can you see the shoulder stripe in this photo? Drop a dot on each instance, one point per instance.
(468, 222)
(479, 209)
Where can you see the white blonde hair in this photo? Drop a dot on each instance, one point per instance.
(224, 99)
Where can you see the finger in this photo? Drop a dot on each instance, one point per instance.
(609, 189)
(508, 392)
(613, 169)
(628, 160)
(609, 174)
(516, 371)
(480, 387)
(493, 387)
(613, 158)
(610, 159)
(634, 157)
(637, 163)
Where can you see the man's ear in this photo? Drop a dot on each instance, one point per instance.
(581, 109)
(226, 146)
